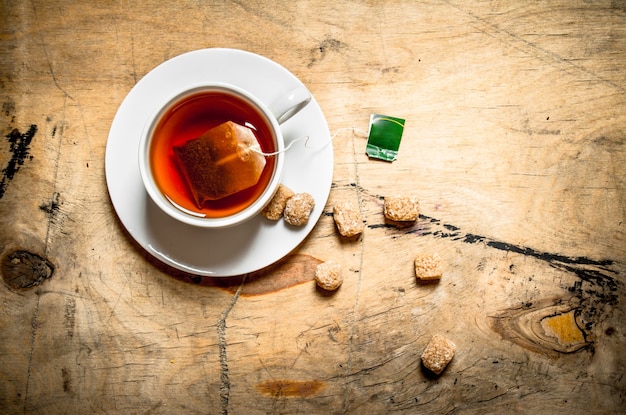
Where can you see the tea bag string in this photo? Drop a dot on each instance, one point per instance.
(257, 149)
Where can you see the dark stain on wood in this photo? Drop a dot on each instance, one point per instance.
(52, 207)
(67, 381)
(593, 271)
(8, 107)
(319, 52)
(619, 5)
(19, 146)
(290, 388)
(22, 269)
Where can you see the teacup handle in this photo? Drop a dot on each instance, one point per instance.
(290, 104)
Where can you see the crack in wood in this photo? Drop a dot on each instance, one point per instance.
(596, 288)
(33, 334)
(355, 308)
(535, 49)
(595, 291)
(221, 333)
(51, 217)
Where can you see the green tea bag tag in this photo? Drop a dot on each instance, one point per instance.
(384, 137)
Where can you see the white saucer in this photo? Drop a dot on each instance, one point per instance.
(223, 252)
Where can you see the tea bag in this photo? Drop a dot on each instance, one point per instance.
(384, 137)
(221, 162)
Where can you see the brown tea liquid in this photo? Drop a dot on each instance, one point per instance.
(188, 120)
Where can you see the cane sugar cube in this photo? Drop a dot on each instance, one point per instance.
(438, 353)
(298, 209)
(220, 162)
(328, 275)
(401, 208)
(348, 219)
(428, 267)
(275, 208)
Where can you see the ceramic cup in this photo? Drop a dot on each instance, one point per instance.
(159, 170)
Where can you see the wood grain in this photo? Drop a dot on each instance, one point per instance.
(514, 143)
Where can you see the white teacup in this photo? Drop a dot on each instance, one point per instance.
(186, 115)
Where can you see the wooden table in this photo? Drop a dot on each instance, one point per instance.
(514, 144)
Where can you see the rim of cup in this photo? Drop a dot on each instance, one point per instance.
(181, 214)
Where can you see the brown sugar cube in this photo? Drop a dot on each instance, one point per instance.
(428, 267)
(348, 219)
(298, 209)
(276, 206)
(328, 275)
(401, 208)
(438, 353)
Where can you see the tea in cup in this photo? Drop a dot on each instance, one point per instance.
(213, 154)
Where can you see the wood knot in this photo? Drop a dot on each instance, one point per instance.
(22, 269)
(547, 326)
